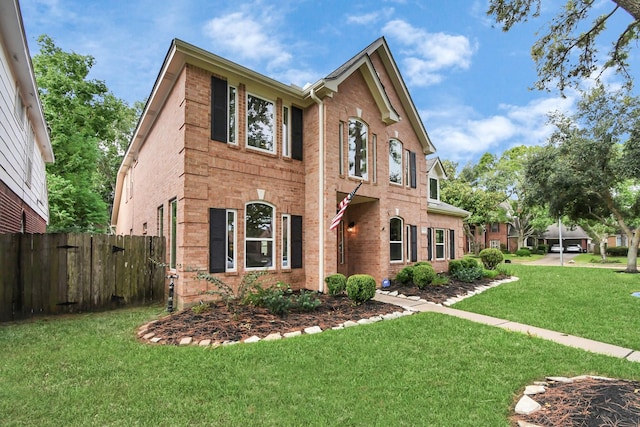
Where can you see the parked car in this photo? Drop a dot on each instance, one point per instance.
(556, 248)
(574, 248)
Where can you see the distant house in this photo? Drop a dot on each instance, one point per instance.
(25, 146)
(243, 173)
(574, 235)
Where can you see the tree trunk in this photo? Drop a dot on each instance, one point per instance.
(603, 250)
(632, 255)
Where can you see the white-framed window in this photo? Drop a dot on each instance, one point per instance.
(358, 148)
(395, 161)
(286, 132)
(286, 241)
(395, 240)
(440, 243)
(341, 242)
(160, 222)
(260, 124)
(232, 236)
(173, 245)
(259, 235)
(494, 244)
(232, 136)
(19, 109)
(434, 189)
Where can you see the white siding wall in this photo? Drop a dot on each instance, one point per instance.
(18, 145)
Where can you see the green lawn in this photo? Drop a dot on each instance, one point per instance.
(522, 259)
(594, 303)
(591, 259)
(426, 369)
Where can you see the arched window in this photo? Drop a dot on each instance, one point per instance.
(358, 146)
(395, 161)
(259, 235)
(395, 239)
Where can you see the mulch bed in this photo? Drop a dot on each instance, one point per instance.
(588, 403)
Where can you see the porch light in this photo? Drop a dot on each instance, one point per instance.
(351, 227)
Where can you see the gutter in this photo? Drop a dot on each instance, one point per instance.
(312, 95)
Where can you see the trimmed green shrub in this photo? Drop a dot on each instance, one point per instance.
(542, 249)
(469, 275)
(491, 258)
(617, 251)
(305, 301)
(336, 283)
(361, 288)
(455, 265)
(469, 262)
(422, 263)
(504, 270)
(523, 252)
(423, 275)
(440, 280)
(405, 276)
(277, 301)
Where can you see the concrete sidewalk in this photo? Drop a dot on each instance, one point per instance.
(568, 340)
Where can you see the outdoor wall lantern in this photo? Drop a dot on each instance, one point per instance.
(351, 227)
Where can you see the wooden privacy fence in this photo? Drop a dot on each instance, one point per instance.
(64, 273)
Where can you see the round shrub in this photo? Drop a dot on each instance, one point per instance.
(491, 257)
(523, 252)
(617, 251)
(455, 265)
(405, 276)
(336, 283)
(491, 274)
(423, 275)
(361, 288)
(468, 262)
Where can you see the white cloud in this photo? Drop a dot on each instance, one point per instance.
(461, 134)
(247, 38)
(428, 55)
(371, 17)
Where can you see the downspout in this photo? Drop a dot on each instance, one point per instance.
(320, 103)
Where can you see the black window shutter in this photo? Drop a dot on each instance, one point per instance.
(296, 241)
(219, 109)
(414, 243)
(217, 240)
(296, 133)
(412, 169)
(429, 244)
(452, 244)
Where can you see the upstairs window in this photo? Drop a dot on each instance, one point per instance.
(260, 124)
(358, 138)
(395, 161)
(434, 189)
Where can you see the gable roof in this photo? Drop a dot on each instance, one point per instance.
(362, 61)
(12, 37)
(434, 164)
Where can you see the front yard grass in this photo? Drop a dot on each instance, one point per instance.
(425, 369)
(593, 303)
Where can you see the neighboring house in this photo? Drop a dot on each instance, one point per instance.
(574, 235)
(495, 235)
(619, 239)
(242, 173)
(25, 146)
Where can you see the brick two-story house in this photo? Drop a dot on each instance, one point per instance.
(241, 173)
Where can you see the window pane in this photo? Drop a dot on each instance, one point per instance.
(231, 240)
(433, 188)
(358, 134)
(259, 221)
(285, 241)
(259, 253)
(260, 126)
(232, 115)
(174, 233)
(395, 161)
(395, 239)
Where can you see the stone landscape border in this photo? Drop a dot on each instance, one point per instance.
(145, 334)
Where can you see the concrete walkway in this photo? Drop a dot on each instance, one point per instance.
(568, 340)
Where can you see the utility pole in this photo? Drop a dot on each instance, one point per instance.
(560, 238)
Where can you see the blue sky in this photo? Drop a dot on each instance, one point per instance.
(469, 80)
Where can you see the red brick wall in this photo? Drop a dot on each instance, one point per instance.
(11, 210)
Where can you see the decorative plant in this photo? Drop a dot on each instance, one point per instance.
(361, 288)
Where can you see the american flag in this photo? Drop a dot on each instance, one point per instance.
(343, 207)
